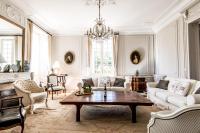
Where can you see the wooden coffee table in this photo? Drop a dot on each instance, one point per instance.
(132, 99)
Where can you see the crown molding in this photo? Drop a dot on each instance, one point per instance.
(172, 13)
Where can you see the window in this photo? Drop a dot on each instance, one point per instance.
(102, 57)
(7, 49)
(39, 54)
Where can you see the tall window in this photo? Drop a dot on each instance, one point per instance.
(102, 57)
(7, 49)
(39, 54)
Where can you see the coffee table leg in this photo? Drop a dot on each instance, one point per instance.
(133, 110)
(78, 108)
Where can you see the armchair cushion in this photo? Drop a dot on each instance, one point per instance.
(38, 97)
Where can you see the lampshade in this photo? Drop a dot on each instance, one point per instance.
(2, 60)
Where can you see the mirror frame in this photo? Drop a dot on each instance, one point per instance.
(23, 39)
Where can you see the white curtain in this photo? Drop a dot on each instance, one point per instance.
(40, 54)
(115, 52)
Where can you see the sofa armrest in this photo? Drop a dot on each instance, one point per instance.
(193, 99)
(127, 86)
(151, 84)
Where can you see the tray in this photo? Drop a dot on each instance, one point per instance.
(82, 94)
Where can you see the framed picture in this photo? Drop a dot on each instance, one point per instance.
(135, 57)
(69, 58)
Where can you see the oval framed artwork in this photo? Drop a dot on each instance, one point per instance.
(135, 57)
(69, 58)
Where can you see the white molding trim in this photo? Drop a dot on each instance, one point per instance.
(13, 13)
(173, 13)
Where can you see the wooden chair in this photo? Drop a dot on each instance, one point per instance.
(12, 112)
(56, 83)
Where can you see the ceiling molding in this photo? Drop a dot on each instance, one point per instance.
(173, 13)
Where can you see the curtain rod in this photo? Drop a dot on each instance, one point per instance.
(39, 27)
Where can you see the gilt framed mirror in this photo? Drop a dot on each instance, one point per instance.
(12, 44)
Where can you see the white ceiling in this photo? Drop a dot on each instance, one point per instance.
(74, 17)
(7, 28)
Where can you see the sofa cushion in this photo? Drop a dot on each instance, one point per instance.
(197, 91)
(152, 91)
(178, 87)
(163, 95)
(177, 100)
(119, 82)
(103, 80)
(87, 82)
(163, 84)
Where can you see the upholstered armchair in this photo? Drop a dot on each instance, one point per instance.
(30, 92)
(183, 120)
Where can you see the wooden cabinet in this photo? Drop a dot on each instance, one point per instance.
(138, 83)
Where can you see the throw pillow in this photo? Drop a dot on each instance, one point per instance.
(163, 84)
(104, 80)
(88, 82)
(197, 91)
(119, 82)
(180, 88)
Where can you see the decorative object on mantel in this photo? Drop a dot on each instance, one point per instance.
(26, 66)
(14, 68)
(69, 57)
(6, 68)
(2, 60)
(100, 30)
(135, 57)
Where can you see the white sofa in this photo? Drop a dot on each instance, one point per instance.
(168, 100)
(96, 86)
(183, 120)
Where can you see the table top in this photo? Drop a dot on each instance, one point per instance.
(113, 98)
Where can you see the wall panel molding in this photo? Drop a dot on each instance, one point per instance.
(13, 13)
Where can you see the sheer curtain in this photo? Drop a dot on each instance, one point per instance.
(115, 52)
(39, 54)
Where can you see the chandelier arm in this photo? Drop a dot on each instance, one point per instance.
(99, 9)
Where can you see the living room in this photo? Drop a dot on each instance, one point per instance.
(99, 66)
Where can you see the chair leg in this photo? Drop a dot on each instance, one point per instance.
(22, 126)
(52, 95)
(46, 103)
(31, 109)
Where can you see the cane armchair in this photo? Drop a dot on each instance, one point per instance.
(31, 92)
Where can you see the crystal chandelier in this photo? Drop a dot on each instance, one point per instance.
(100, 30)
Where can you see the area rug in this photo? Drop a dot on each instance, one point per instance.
(94, 119)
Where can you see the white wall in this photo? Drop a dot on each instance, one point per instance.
(141, 43)
(76, 44)
(171, 50)
(63, 44)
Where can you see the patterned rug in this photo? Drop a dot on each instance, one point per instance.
(94, 119)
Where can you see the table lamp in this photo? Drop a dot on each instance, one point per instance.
(2, 60)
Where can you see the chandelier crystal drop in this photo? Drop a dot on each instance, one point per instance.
(100, 30)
